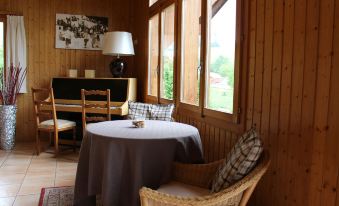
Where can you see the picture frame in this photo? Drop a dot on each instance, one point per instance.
(80, 31)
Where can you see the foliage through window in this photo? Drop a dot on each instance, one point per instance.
(221, 55)
(167, 53)
(161, 48)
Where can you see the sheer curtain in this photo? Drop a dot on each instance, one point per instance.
(16, 45)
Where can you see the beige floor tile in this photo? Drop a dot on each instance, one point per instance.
(9, 190)
(69, 170)
(41, 170)
(24, 174)
(34, 187)
(7, 179)
(61, 164)
(7, 201)
(45, 161)
(46, 164)
(65, 175)
(27, 200)
(13, 169)
(38, 177)
(17, 161)
(21, 155)
(64, 182)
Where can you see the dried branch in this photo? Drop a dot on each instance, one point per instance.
(12, 80)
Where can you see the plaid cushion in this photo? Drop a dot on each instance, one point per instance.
(139, 111)
(239, 162)
(162, 112)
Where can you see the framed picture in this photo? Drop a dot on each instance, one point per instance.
(80, 31)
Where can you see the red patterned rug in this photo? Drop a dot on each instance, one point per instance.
(52, 196)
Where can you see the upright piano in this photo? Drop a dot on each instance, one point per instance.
(67, 92)
(67, 96)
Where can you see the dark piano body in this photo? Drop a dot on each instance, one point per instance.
(67, 92)
(67, 95)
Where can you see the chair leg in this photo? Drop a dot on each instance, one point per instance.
(56, 143)
(74, 139)
(37, 144)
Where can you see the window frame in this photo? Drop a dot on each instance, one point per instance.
(241, 47)
(158, 8)
(201, 108)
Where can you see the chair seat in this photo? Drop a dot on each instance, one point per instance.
(61, 124)
(184, 190)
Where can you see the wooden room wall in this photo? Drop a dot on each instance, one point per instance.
(44, 61)
(291, 95)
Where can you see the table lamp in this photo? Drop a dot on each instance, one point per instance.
(118, 44)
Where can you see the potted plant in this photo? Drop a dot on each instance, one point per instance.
(11, 79)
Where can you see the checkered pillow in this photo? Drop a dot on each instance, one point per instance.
(239, 162)
(162, 112)
(139, 111)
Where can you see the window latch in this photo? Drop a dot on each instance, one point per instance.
(199, 70)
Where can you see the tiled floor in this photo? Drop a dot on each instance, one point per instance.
(23, 174)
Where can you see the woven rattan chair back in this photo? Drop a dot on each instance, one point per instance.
(200, 175)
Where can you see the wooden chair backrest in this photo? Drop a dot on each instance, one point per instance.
(37, 103)
(96, 105)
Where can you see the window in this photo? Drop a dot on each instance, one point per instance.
(221, 55)
(161, 48)
(167, 53)
(151, 2)
(190, 51)
(153, 55)
(2, 44)
(206, 63)
(209, 53)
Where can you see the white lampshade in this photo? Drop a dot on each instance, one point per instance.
(118, 43)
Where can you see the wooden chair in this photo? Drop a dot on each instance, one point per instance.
(96, 107)
(50, 124)
(199, 176)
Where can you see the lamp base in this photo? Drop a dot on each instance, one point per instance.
(117, 67)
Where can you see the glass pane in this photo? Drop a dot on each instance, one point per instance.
(167, 54)
(153, 55)
(220, 71)
(191, 39)
(151, 2)
(2, 62)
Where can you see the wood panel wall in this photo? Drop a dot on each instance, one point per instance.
(44, 61)
(291, 94)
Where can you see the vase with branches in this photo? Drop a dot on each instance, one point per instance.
(12, 80)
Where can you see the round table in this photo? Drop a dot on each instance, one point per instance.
(117, 159)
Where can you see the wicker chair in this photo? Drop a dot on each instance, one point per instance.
(200, 175)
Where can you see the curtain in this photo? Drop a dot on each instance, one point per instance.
(16, 45)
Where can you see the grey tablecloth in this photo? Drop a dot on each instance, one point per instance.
(116, 159)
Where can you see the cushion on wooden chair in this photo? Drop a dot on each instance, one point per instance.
(239, 162)
(61, 123)
(184, 190)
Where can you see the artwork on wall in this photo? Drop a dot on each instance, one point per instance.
(80, 31)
